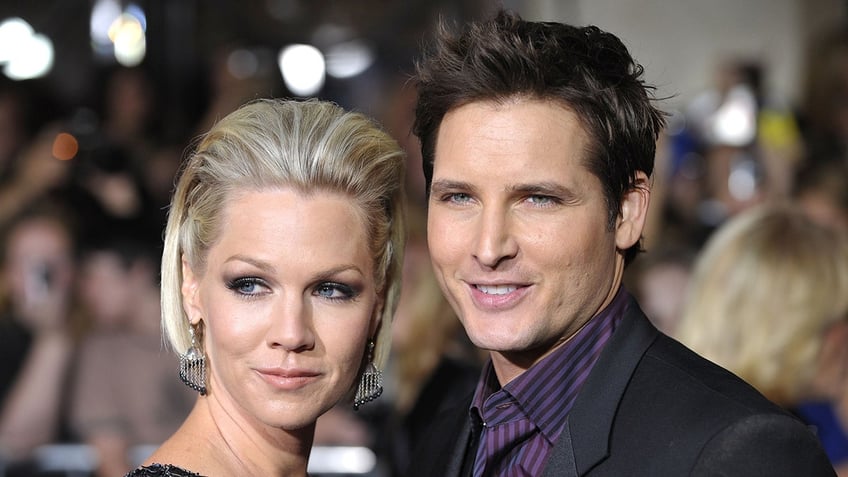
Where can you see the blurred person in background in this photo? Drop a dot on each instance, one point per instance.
(39, 328)
(109, 191)
(16, 123)
(129, 114)
(823, 111)
(749, 142)
(124, 393)
(768, 300)
(97, 180)
(37, 174)
(158, 175)
(659, 280)
(820, 187)
(129, 123)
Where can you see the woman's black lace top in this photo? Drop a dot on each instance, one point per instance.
(160, 470)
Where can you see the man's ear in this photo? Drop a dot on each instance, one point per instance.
(633, 212)
(190, 285)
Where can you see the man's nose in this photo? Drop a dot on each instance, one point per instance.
(495, 240)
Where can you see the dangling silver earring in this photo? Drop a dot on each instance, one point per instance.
(193, 365)
(371, 383)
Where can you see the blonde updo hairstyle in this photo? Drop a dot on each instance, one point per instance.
(764, 291)
(307, 145)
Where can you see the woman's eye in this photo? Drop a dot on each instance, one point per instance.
(246, 286)
(334, 291)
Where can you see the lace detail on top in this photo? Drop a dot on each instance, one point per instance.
(159, 470)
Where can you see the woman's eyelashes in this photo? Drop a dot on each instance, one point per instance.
(335, 291)
(247, 286)
(254, 286)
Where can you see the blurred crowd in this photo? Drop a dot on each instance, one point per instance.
(746, 261)
(746, 256)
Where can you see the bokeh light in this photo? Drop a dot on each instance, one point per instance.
(348, 59)
(24, 53)
(103, 14)
(12, 32)
(117, 33)
(65, 146)
(242, 63)
(127, 35)
(303, 69)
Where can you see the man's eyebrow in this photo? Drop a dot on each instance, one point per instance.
(535, 188)
(544, 188)
(441, 185)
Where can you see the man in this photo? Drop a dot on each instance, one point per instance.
(538, 142)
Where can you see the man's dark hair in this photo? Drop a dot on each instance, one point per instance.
(586, 70)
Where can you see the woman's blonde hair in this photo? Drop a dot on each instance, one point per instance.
(764, 290)
(307, 145)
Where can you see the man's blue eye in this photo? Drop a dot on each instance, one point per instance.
(541, 200)
(458, 197)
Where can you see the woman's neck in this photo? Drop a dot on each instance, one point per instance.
(226, 443)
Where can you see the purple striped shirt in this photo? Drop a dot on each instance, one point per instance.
(522, 420)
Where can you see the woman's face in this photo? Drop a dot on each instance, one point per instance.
(287, 302)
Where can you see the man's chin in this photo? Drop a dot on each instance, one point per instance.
(495, 340)
(504, 345)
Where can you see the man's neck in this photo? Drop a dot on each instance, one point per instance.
(508, 365)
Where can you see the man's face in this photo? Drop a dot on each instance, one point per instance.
(518, 229)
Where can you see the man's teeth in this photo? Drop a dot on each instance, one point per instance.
(496, 289)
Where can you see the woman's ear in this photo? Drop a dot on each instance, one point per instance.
(376, 319)
(189, 288)
(633, 212)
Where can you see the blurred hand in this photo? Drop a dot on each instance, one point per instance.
(44, 305)
(38, 169)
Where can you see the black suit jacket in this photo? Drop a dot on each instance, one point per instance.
(652, 407)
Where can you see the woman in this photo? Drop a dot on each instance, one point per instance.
(280, 274)
(768, 300)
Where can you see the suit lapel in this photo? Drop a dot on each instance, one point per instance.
(561, 462)
(585, 438)
(446, 443)
(456, 454)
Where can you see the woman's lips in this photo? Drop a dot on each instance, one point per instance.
(288, 379)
